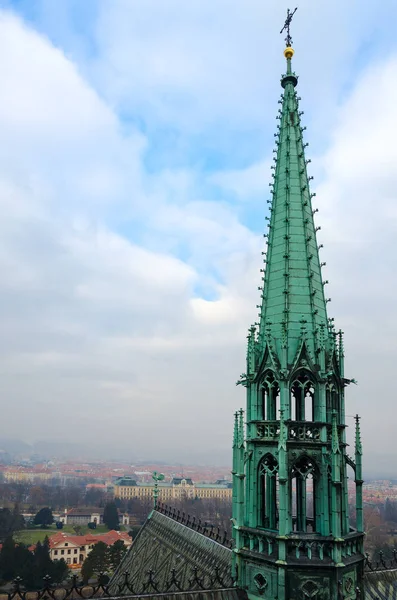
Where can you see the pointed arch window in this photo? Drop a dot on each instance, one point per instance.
(302, 398)
(268, 492)
(332, 400)
(270, 397)
(304, 495)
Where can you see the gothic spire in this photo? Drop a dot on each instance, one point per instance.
(293, 286)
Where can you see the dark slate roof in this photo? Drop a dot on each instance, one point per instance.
(178, 480)
(381, 585)
(228, 594)
(172, 551)
(125, 480)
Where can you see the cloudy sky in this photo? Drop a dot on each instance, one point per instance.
(135, 142)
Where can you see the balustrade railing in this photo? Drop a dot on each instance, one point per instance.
(304, 431)
(149, 585)
(263, 542)
(298, 431)
(302, 545)
(309, 548)
(267, 430)
(351, 547)
(381, 563)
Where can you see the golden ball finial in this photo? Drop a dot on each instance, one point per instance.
(289, 52)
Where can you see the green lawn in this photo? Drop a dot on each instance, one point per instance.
(32, 536)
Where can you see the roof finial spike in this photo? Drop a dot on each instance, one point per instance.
(235, 432)
(359, 448)
(341, 348)
(241, 428)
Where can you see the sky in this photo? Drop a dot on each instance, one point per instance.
(135, 146)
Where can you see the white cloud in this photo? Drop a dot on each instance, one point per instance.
(94, 324)
(245, 183)
(126, 292)
(357, 203)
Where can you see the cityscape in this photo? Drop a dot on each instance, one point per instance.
(104, 477)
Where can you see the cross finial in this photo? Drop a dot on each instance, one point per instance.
(288, 39)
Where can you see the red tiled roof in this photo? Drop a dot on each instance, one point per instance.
(109, 538)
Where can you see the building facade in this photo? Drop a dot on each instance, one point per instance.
(178, 489)
(293, 536)
(83, 516)
(74, 549)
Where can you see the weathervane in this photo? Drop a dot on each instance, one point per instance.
(288, 39)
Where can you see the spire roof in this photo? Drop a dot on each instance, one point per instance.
(293, 303)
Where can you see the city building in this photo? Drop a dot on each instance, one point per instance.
(177, 489)
(83, 516)
(26, 475)
(292, 535)
(74, 549)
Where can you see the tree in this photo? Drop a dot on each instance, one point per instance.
(111, 516)
(92, 525)
(18, 519)
(93, 497)
(96, 562)
(10, 522)
(116, 554)
(390, 511)
(7, 559)
(37, 495)
(44, 517)
(16, 560)
(59, 524)
(78, 529)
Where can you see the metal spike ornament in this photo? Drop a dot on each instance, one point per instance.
(156, 478)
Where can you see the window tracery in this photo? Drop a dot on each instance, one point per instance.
(270, 405)
(302, 398)
(268, 492)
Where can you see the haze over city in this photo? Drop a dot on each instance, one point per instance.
(135, 161)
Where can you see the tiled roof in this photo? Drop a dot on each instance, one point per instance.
(164, 544)
(381, 585)
(84, 512)
(108, 538)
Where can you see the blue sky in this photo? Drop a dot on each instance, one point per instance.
(136, 140)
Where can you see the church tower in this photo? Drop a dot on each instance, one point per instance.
(293, 527)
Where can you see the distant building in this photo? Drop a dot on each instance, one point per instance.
(178, 489)
(83, 516)
(74, 549)
(24, 475)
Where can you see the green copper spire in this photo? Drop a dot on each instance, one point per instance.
(293, 537)
(293, 288)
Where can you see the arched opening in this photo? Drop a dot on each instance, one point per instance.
(332, 401)
(268, 491)
(270, 397)
(302, 405)
(304, 495)
(351, 505)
